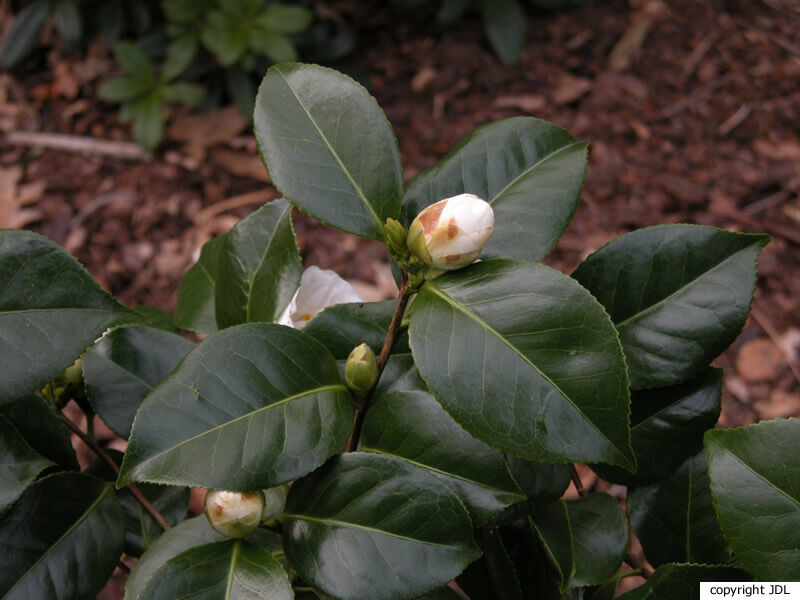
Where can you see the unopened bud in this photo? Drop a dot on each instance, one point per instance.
(361, 369)
(234, 514)
(396, 238)
(451, 233)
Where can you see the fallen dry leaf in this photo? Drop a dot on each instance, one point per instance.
(758, 360)
(199, 132)
(570, 88)
(14, 196)
(529, 103)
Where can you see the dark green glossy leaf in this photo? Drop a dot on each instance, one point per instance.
(68, 21)
(525, 360)
(678, 294)
(754, 473)
(61, 539)
(372, 526)
(674, 519)
(414, 427)
(41, 428)
(141, 530)
(308, 115)
(23, 36)
(258, 268)
(155, 317)
(532, 567)
(46, 295)
(586, 538)
(505, 23)
(275, 46)
(444, 593)
(183, 92)
(502, 572)
(228, 41)
(529, 170)
(450, 12)
(342, 327)
(671, 582)
(230, 570)
(123, 89)
(124, 366)
(187, 534)
(249, 407)
(542, 484)
(195, 307)
(148, 122)
(667, 426)
(180, 52)
(285, 18)
(133, 60)
(19, 464)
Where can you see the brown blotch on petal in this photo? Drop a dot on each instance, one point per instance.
(452, 228)
(248, 495)
(218, 510)
(451, 258)
(429, 219)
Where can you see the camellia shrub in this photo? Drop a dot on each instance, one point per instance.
(384, 450)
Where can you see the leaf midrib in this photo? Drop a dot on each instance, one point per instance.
(232, 568)
(85, 515)
(345, 524)
(324, 138)
(663, 301)
(514, 349)
(251, 279)
(756, 473)
(538, 163)
(317, 390)
(440, 471)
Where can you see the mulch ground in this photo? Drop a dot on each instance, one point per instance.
(692, 110)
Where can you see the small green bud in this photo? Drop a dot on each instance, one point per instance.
(361, 369)
(234, 514)
(450, 234)
(396, 240)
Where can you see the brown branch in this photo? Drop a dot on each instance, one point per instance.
(391, 336)
(75, 143)
(644, 570)
(576, 480)
(137, 493)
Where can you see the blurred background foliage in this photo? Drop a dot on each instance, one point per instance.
(210, 53)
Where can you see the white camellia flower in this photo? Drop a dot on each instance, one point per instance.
(319, 289)
(451, 233)
(234, 514)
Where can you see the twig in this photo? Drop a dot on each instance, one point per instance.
(391, 335)
(257, 197)
(95, 447)
(576, 480)
(644, 570)
(123, 567)
(773, 334)
(76, 143)
(734, 120)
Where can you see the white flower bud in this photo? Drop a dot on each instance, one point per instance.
(451, 233)
(234, 514)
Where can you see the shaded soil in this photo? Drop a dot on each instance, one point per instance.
(692, 110)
